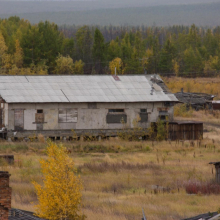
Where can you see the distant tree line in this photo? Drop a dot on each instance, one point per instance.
(45, 48)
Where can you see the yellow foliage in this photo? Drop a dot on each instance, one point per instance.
(60, 195)
(199, 85)
(64, 65)
(7, 62)
(117, 62)
(18, 55)
(3, 47)
(176, 67)
(182, 111)
(33, 70)
(78, 67)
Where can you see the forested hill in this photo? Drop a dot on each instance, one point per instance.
(206, 14)
(45, 48)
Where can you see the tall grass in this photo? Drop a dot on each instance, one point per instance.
(126, 177)
(198, 85)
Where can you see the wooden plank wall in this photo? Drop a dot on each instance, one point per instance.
(185, 131)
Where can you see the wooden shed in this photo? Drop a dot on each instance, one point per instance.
(216, 105)
(185, 130)
(217, 169)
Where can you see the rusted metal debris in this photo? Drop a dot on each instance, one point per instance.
(197, 101)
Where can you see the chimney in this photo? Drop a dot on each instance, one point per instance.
(5, 195)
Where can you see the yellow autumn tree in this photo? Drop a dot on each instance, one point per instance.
(117, 62)
(78, 67)
(176, 67)
(64, 65)
(3, 47)
(59, 197)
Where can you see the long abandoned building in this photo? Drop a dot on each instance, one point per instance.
(56, 105)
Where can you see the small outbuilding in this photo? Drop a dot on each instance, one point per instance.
(216, 105)
(185, 130)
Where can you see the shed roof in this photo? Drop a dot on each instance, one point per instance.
(82, 88)
(17, 214)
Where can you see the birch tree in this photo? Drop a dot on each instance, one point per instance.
(59, 196)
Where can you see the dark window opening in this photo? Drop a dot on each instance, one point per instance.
(143, 111)
(40, 111)
(163, 115)
(144, 117)
(92, 105)
(116, 110)
(168, 104)
(116, 118)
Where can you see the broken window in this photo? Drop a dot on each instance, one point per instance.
(143, 115)
(163, 115)
(116, 116)
(67, 115)
(39, 116)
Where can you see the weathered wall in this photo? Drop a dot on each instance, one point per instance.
(86, 118)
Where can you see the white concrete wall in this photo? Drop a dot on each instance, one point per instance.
(5, 119)
(87, 118)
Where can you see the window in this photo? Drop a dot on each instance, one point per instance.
(143, 111)
(116, 111)
(116, 116)
(168, 104)
(143, 115)
(39, 116)
(67, 115)
(163, 115)
(92, 105)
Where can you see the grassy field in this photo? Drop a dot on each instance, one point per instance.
(120, 177)
(203, 85)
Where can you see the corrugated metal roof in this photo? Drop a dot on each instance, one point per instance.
(41, 89)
